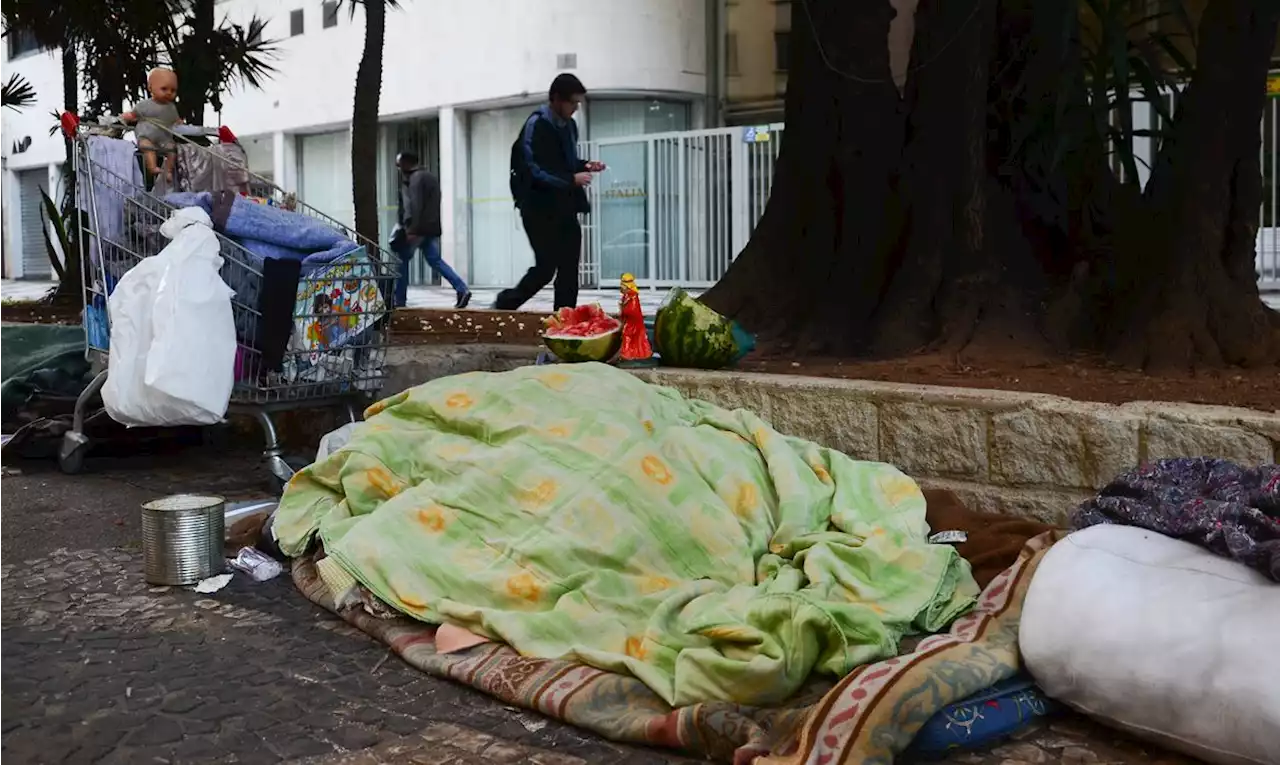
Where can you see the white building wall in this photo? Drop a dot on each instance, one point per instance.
(464, 53)
(28, 131)
(448, 58)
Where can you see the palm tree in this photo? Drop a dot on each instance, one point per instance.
(364, 117)
(211, 57)
(114, 43)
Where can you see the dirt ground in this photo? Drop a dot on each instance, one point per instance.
(1083, 378)
(40, 312)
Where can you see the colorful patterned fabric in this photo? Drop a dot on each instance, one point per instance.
(871, 716)
(1227, 508)
(574, 511)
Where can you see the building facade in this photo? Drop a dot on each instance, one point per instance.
(458, 81)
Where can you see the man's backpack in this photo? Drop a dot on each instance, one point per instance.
(521, 176)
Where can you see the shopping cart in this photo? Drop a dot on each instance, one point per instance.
(326, 348)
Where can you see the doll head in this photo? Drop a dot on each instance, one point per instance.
(163, 85)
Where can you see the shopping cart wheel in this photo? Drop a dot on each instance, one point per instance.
(72, 453)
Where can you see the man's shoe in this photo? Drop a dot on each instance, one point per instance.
(463, 300)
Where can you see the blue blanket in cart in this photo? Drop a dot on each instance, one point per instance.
(271, 232)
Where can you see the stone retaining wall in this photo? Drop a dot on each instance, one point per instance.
(1027, 454)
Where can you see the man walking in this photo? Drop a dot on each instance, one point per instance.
(419, 228)
(549, 183)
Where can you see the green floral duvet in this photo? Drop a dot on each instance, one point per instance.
(573, 511)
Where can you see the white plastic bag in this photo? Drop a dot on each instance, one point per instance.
(173, 336)
(1161, 638)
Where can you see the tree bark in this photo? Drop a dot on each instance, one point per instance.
(364, 122)
(69, 284)
(812, 263)
(946, 220)
(198, 76)
(1193, 294)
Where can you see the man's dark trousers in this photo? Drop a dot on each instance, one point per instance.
(556, 240)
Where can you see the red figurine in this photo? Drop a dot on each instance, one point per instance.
(635, 338)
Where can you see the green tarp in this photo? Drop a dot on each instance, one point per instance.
(44, 357)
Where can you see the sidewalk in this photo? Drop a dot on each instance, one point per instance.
(421, 297)
(101, 667)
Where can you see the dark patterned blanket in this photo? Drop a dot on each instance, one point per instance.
(1227, 508)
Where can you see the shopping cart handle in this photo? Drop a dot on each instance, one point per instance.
(194, 130)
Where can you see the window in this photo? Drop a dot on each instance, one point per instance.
(330, 14)
(731, 54)
(21, 43)
(781, 50)
(295, 23)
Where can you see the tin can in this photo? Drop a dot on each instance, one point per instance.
(182, 538)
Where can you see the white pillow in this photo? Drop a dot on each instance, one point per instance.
(1161, 638)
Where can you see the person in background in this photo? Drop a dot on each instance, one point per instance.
(419, 228)
(548, 183)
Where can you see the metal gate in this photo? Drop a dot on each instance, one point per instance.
(35, 255)
(676, 208)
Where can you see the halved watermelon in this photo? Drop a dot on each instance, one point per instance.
(585, 333)
(687, 333)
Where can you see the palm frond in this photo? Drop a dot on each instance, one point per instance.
(245, 54)
(18, 93)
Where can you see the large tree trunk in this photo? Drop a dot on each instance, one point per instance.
(881, 231)
(364, 122)
(939, 221)
(1192, 291)
(811, 274)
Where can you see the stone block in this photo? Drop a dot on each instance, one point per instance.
(1046, 505)
(1167, 438)
(1064, 444)
(729, 391)
(829, 417)
(934, 441)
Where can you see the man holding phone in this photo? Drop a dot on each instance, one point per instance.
(548, 183)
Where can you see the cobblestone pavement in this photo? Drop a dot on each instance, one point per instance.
(100, 667)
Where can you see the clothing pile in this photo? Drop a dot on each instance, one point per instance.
(308, 298)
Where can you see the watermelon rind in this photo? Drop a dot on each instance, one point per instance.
(576, 348)
(581, 349)
(689, 334)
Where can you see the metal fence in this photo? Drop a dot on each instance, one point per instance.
(676, 208)
(1267, 251)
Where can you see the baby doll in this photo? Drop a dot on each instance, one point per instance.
(150, 115)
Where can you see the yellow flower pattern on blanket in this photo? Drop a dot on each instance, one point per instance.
(582, 512)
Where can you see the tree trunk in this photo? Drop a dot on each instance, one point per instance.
(811, 276)
(69, 285)
(197, 78)
(878, 237)
(944, 220)
(364, 122)
(1192, 294)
